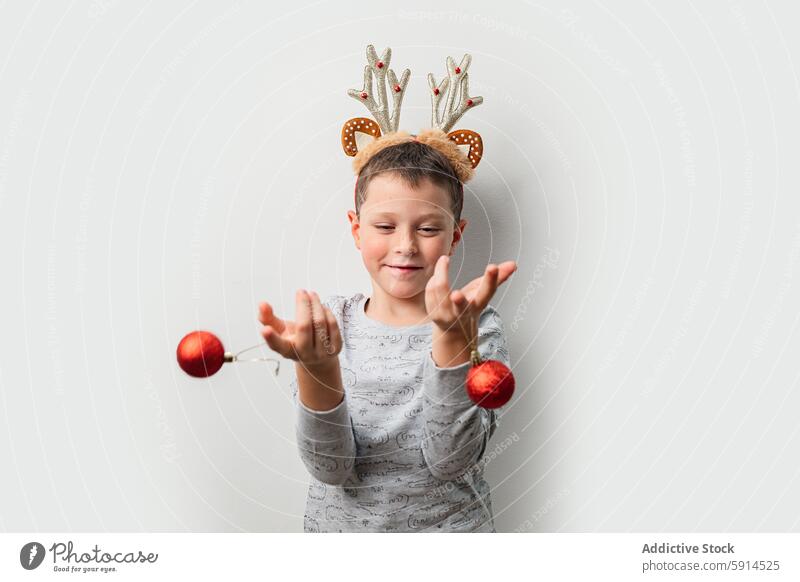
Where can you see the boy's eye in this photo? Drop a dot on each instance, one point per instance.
(426, 230)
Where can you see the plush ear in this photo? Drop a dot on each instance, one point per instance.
(357, 133)
(470, 143)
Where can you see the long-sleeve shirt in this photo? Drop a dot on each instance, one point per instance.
(404, 449)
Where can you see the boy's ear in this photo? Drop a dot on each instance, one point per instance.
(355, 225)
(457, 234)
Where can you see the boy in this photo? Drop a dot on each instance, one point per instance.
(384, 425)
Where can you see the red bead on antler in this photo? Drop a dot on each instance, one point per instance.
(458, 70)
(364, 95)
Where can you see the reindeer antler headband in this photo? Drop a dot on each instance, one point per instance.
(363, 137)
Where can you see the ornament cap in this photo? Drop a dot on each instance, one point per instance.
(475, 358)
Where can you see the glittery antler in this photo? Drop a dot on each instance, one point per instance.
(376, 102)
(456, 87)
(362, 137)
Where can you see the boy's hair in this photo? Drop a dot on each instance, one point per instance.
(413, 162)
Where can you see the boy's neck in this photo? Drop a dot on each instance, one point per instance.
(396, 311)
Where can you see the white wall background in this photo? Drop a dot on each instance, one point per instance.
(165, 166)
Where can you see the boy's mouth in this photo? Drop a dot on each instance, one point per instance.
(403, 268)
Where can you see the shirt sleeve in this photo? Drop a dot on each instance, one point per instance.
(457, 430)
(325, 439)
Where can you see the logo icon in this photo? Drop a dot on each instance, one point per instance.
(31, 555)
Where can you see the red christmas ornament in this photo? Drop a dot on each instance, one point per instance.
(490, 383)
(201, 354)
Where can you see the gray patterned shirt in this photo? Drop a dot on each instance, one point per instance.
(403, 450)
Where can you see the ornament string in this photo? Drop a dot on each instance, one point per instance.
(231, 357)
(472, 342)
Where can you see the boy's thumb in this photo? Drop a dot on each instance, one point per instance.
(275, 341)
(268, 333)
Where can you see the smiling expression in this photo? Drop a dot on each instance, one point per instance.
(402, 232)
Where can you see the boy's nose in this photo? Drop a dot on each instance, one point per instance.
(407, 246)
(406, 250)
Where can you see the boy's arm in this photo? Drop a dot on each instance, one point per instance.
(323, 429)
(320, 389)
(456, 430)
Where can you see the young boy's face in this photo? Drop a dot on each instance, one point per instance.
(404, 226)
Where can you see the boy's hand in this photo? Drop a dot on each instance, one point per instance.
(312, 339)
(450, 310)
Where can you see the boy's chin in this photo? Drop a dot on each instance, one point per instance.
(403, 290)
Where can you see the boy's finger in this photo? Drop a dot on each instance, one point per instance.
(267, 316)
(459, 301)
(276, 342)
(438, 286)
(304, 341)
(264, 312)
(444, 276)
(506, 269)
(333, 328)
(488, 286)
(319, 321)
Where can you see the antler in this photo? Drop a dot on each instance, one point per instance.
(379, 107)
(456, 85)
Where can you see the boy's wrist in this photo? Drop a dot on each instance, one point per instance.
(319, 368)
(320, 385)
(450, 347)
(451, 331)
(453, 334)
